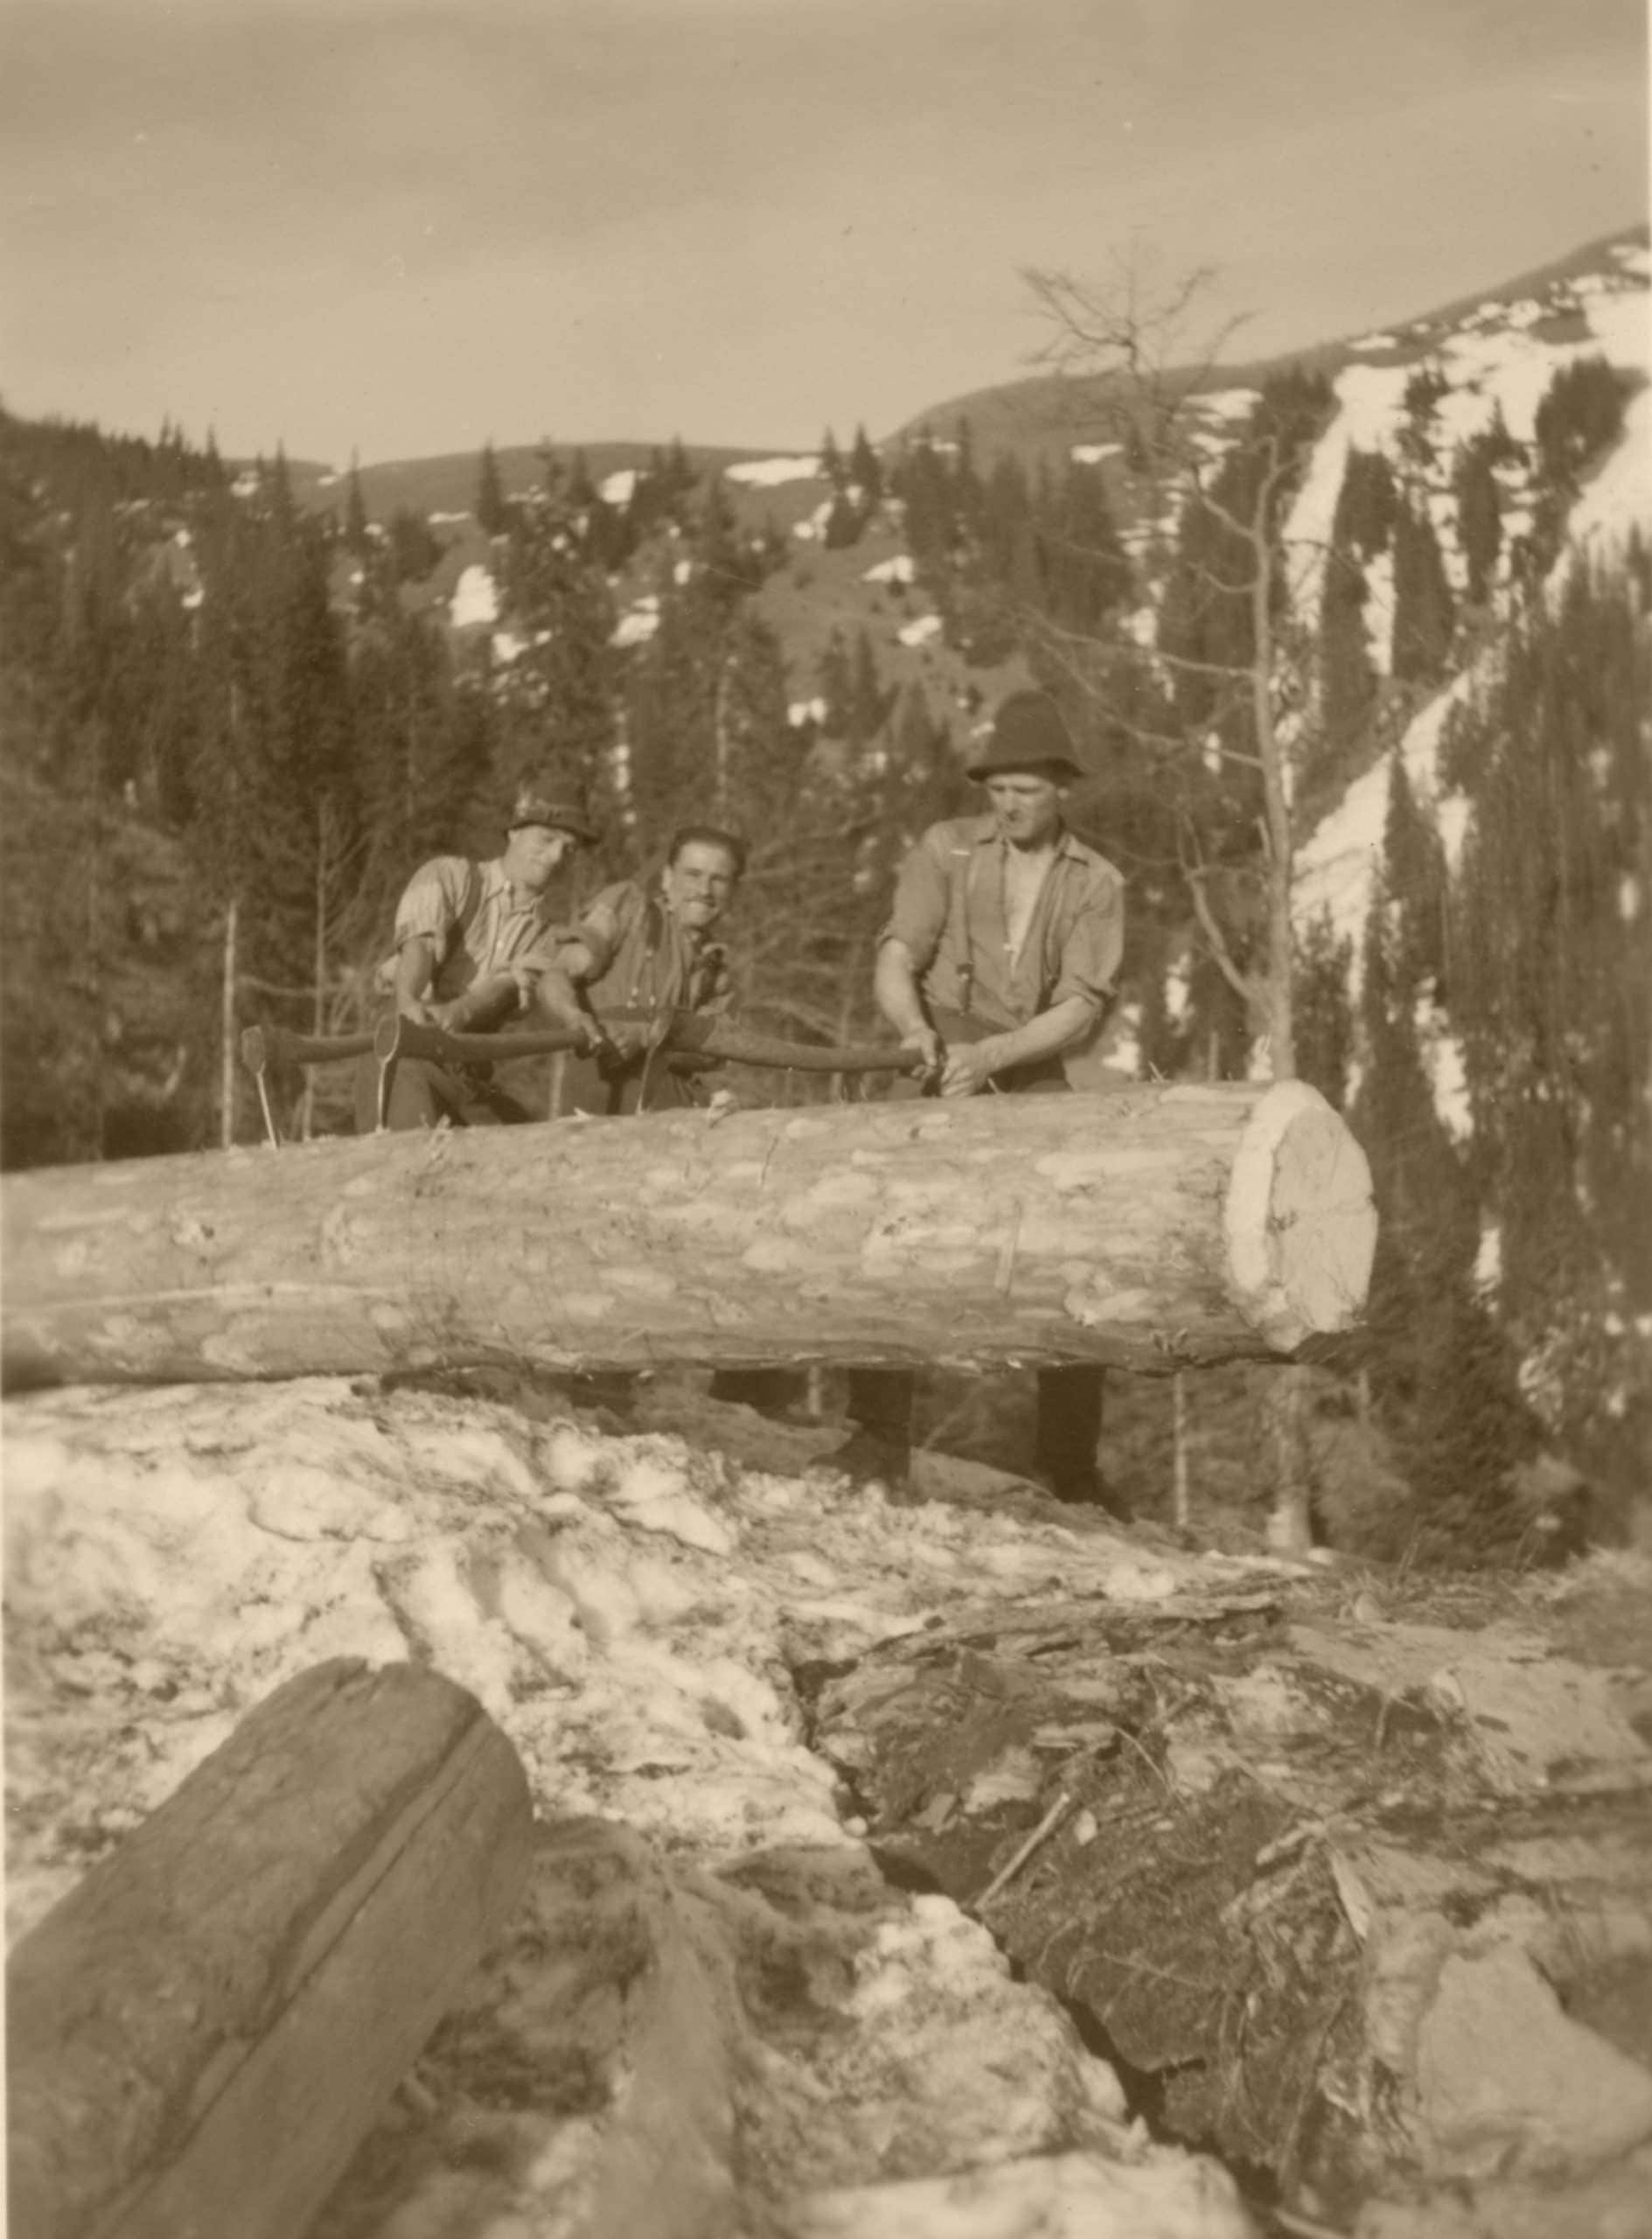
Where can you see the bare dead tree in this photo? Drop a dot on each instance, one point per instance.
(1128, 340)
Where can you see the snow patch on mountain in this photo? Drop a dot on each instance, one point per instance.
(619, 488)
(476, 599)
(770, 473)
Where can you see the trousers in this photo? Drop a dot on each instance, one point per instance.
(423, 1093)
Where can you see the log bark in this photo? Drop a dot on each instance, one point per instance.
(201, 2032)
(1145, 1229)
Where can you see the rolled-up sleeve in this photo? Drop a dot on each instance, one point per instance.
(918, 916)
(432, 901)
(1095, 942)
(601, 928)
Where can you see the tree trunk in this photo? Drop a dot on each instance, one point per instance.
(226, 1027)
(201, 2032)
(1144, 1229)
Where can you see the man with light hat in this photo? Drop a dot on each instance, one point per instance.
(476, 943)
(999, 954)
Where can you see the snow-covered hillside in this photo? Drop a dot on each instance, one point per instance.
(1499, 361)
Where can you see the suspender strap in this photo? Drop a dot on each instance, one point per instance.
(957, 923)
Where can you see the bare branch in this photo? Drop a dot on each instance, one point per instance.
(1195, 873)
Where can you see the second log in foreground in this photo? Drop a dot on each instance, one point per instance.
(1145, 1229)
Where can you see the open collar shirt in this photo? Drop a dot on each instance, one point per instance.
(949, 913)
(478, 922)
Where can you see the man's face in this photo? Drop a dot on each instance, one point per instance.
(1027, 806)
(536, 853)
(699, 885)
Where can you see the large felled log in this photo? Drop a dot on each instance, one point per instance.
(1141, 1230)
(200, 2034)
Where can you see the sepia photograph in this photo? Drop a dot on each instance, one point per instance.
(972, 684)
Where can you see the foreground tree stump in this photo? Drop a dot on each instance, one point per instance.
(1141, 1230)
(200, 2033)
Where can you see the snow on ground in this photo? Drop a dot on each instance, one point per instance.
(812, 527)
(637, 624)
(618, 488)
(630, 1610)
(1229, 403)
(924, 632)
(769, 473)
(1307, 533)
(476, 599)
(1492, 363)
(1442, 1056)
(900, 570)
(1093, 454)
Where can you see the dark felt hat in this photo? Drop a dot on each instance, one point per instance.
(1028, 734)
(556, 806)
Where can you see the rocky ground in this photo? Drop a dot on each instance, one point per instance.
(963, 1867)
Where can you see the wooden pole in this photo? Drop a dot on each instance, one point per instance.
(200, 2034)
(1144, 1229)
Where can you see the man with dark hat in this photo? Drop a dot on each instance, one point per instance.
(999, 955)
(476, 943)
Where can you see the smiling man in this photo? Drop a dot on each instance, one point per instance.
(649, 947)
(999, 955)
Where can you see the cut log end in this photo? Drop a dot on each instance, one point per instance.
(1300, 1220)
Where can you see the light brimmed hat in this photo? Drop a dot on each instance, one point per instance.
(555, 806)
(1028, 734)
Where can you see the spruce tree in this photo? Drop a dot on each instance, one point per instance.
(836, 678)
(1443, 1379)
(1551, 993)
(490, 509)
(1424, 612)
(1479, 517)
(1347, 682)
(357, 537)
(866, 470)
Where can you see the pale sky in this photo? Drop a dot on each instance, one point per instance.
(404, 226)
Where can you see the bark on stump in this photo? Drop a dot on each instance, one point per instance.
(201, 2032)
(1145, 1229)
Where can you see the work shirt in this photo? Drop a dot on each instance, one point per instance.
(480, 924)
(642, 960)
(949, 913)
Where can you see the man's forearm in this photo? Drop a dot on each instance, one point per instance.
(557, 999)
(895, 987)
(416, 968)
(1052, 1031)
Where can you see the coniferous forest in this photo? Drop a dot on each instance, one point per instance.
(235, 723)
